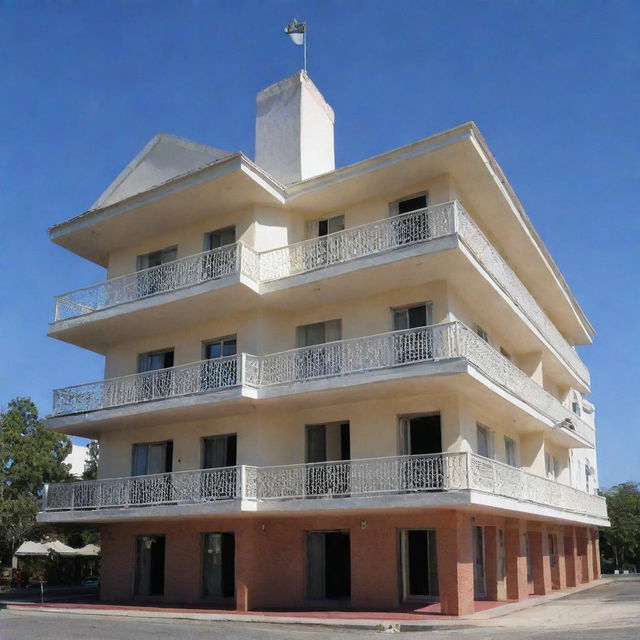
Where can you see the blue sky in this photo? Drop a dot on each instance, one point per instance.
(553, 86)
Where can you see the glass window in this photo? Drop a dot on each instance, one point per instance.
(319, 333)
(219, 451)
(219, 238)
(485, 441)
(220, 348)
(408, 204)
(149, 566)
(510, 452)
(155, 360)
(325, 226)
(412, 317)
(151, 457)
(156, 258)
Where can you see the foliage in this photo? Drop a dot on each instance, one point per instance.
(620, 544)
(30, 456)
(91, 463)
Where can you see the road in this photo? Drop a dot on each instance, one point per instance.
(608, 612)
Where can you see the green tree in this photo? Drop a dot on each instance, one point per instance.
(91, 463)
(620, 544)
(30, 456)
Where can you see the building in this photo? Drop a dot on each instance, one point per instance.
(350, 387)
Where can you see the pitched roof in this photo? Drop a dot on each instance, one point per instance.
(164, 157)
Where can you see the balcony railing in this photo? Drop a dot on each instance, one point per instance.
(373, 477)
(332, 359)
(369, 239)
(197, 377)
(170, 276)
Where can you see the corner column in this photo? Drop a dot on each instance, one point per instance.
(455, 565)
(571, 557)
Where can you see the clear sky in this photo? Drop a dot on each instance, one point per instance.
(553, 86)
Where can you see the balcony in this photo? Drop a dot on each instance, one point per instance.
(420, 480)
(368, 245)
(438, 350)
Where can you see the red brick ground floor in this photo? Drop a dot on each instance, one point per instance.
(441, 561)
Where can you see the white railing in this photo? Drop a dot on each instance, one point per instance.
(373, 477)
(344, 357)
(203, 485)
(504, 276)
(357, 242)
(170, 276)
(198, 377)
(331, 359)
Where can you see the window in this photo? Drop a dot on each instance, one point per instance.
(325, 226)
(553, 550)
(482, 333)
(219, 238)
(553, 466)
(220, 348)
(319, 333)
(408, 204)
(510, 452)
(155, 360)
(485, 441)
(156, 258)
(412, 317)
(219, 451)
(151, 457)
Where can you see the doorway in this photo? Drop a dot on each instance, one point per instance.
(219, 452)
(328, 565)
(218, 566)
(421, 436)
(479, 577)
(323, 443)
(419, 559)
(149, 566)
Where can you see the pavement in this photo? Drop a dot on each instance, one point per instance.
(608, 609)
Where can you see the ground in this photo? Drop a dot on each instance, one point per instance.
(610, 611)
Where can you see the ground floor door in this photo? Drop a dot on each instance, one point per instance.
(328, 567)
(479, 581)
(149, 566)
(218, 566)
(419, 564)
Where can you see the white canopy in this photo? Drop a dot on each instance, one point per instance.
(30, 548)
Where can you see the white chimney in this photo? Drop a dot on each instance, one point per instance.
(294, 130)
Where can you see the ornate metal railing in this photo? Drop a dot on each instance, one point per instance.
(382, 351)
(170, 276)
(500, 479)
(203, 485)
(357, 242)
(371, 477)
(341, 358)
(504, 276)
(198, 377)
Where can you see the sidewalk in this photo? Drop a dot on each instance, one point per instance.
(424, 619)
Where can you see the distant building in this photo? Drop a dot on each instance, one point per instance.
(76, 459)
(352, 387)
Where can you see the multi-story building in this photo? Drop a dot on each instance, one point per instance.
(327, 387)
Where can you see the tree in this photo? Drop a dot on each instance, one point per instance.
(620, 544)
(30, 456)
(91, 463)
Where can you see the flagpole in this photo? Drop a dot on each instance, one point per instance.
(305, 47)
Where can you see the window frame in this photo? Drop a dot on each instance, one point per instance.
(222, 340)
(394, 206)
(206, 242)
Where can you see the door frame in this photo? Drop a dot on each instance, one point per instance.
(405, 595)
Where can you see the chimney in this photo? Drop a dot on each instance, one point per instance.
(294, 130)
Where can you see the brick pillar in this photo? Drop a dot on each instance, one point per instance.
(517, 588)
(494, 564)
(571, 557)
(589, 553)
(247, 566)
(455, 565)
(562, 569)
(597, 573)
(540, 566)
(583, 554)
